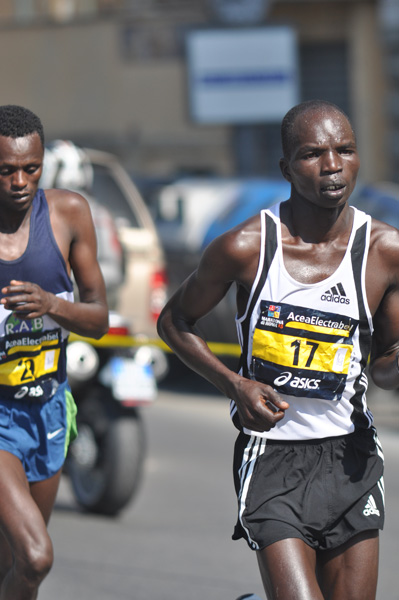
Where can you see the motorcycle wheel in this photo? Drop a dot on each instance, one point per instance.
(105, 461)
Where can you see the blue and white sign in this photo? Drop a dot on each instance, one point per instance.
(242, 75)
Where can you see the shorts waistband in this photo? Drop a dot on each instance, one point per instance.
(314, 442)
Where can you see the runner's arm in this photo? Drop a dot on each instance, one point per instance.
(88, 316)
(203, 290)
(382, 275)
(384, 361)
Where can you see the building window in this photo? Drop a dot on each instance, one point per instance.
(323, 69)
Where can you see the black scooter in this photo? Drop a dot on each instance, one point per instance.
(110, 381)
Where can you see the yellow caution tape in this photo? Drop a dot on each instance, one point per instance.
(129, 341)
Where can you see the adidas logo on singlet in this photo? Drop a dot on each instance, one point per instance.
(371, 507)
(336, 294)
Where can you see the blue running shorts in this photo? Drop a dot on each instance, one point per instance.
(39, 433)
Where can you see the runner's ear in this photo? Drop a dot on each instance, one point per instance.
(285, 169)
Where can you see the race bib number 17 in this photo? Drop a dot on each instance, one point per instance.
(301, 351)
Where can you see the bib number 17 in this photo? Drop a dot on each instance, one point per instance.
(297, 349)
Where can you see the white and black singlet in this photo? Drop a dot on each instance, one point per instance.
(310, 342)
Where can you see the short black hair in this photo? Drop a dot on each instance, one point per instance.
(287, 124)
(17, 121)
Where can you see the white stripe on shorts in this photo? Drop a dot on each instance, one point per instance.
(381, 487)
(255, 448)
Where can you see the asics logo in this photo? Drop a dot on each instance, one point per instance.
(301, 383)
(336, 294)
(282, 379)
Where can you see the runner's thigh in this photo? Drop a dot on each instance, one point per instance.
(288, 570)
(350, 572)
(21, 520)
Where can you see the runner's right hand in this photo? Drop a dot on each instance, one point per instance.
(259, 406)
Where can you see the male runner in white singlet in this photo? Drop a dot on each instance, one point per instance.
(44, 236)
(317, 295)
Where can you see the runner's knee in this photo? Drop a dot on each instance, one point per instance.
(35, 560)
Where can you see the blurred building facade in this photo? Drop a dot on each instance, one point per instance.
(113, 74)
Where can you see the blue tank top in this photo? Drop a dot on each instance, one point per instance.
(33, 351)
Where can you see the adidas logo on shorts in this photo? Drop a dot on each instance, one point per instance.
(371, 507)
(335, 294)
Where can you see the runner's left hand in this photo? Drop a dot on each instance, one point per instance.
(26, 299)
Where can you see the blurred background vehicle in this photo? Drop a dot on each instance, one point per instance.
(129, 248)
(185, 210)
(110, 386)
(380, 200)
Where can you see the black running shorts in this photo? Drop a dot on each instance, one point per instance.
(321, 491)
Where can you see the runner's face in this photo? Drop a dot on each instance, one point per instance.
(324, 161)
(21, 162)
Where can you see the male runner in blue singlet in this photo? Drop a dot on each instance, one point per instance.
(317, 294)
(44, 237)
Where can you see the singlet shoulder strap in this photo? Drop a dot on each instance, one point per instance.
(359, 252)
(267, 253)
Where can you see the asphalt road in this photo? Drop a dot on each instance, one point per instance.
(173, 542)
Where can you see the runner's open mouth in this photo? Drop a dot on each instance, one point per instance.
(333, 188)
